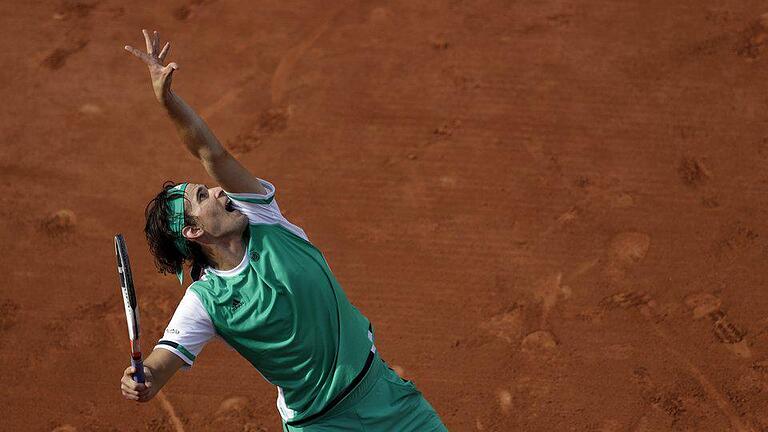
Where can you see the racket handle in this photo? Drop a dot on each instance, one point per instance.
(138, 364)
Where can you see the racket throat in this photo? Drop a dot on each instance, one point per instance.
(135, 350)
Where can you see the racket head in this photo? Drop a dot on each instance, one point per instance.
(127, 288)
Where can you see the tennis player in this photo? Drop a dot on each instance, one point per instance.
(259, 284)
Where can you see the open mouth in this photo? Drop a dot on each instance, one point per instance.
(229, 206)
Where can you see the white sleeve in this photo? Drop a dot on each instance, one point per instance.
(189, 330)
(263, 209)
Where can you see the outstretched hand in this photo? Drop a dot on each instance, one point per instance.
(154, 58)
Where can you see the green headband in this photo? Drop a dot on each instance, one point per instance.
(176, 222)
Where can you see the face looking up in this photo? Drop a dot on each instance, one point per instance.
(215, 214)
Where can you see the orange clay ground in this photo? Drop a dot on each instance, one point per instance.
(552, 211)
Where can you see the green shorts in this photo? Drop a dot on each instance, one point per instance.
(381, 402)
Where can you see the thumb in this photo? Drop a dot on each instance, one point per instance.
(172, 66)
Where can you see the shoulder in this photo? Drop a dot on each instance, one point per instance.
(266, 197)
(193, 304)
(199, 290)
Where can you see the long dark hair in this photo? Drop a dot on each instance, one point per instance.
(162, 241)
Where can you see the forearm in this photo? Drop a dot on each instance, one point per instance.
(192, 129)
(223, 168)
(162, 365)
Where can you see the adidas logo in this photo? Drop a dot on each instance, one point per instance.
(236, 303)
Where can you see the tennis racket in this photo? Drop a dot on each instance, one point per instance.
(131, 307)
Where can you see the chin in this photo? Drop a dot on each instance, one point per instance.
(242, 222)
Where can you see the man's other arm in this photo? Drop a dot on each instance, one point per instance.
(159, 367)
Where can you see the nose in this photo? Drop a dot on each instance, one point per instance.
(217, 192)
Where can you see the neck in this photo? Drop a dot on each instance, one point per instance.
(226, 253)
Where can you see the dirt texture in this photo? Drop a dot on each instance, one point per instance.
(552, 211)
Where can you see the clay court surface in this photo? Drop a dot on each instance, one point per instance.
(552, 211)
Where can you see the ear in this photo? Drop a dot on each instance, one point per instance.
(192, 232)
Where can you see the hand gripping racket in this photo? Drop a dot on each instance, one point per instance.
(131, 307)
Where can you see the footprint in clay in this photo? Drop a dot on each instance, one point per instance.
(8, 313)
(753, 39)
(625, 251)
(507, 325)
(709, 306)
(231, 405)
(629, 300)
(505, 401)
(59, 223)
(539, 342)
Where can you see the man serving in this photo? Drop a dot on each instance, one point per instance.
(262, 287)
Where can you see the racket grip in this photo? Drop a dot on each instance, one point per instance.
(138, 364)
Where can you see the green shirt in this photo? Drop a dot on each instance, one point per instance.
(284, 311)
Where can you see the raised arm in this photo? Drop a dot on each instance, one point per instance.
(194, 133)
